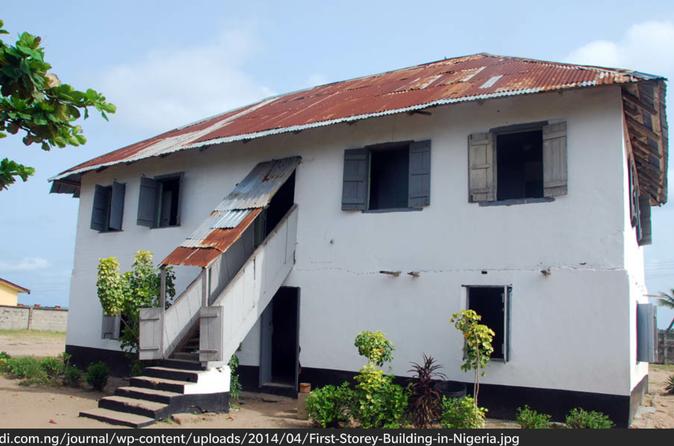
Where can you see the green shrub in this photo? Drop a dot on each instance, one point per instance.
(136, 368)
(379, 403)
(374, 346)
(3, 361)
(97, 375)
(669, 385)
(330, 405)
(72, 376)
(583, 419)
(234, 383)
(27, 369)
(461, 413)
(53, 367)
(528, 418)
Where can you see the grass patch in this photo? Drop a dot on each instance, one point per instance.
(33, 333)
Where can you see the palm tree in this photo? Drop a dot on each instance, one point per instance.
(667, 300)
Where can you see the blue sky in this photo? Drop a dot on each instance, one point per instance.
(167, 63)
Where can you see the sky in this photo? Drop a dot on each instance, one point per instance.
(167, 63)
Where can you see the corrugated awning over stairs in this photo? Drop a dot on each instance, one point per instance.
(230, 219)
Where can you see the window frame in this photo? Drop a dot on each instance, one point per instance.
(161, 179)
(110, 192)
(507, 296)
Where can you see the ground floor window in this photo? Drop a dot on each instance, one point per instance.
(492, 302)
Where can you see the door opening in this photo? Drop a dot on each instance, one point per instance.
(279, 340)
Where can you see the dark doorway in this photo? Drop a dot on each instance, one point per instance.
(279, 340)
(490, 303)
(520, 165)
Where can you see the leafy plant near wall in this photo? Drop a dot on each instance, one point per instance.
(583, 419)
(462, 413)
(477, 346)
(528, 418)
(330, 405)
(97, 375)
(234, 383)
(124, 294)
(374, 346)
(379, 402)
(425, 397)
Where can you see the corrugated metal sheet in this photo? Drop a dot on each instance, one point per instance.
(455, 80)
(451, 80)
(230, 219)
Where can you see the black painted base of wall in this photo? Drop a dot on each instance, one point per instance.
(118, 361)
(501, 401)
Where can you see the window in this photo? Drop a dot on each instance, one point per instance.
(108, 208)
(159, 201)
(518, 163)
(392, 176)
(647, 332)
(110, 327)
(640, 209)
(492, 303)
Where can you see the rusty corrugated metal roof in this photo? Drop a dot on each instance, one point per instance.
(460, 79)
(230, 219)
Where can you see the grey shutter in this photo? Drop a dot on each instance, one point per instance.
(481, 167)
(554, 160)
(108, 327)
(355, 186)
(117, 206)
(147, 202)
(646, 332)
(165, 203)
(100, 209)
(420, 174)
(116, 326)
(645, 237)
(634, 195)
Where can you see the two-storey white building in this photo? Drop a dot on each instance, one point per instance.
(518, 188)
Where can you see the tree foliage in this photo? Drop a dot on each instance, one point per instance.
(667, 301)
(35, 104)
(477, 345)
(124, 294)
(374, 346)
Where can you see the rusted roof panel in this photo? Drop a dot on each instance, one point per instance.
(455, 80)
(230, 219)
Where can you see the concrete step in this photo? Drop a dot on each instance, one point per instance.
(151, 382)
(158, 396)
(118, 418)
(186, 356)
(181, 364)
(172, 373)
(135, 406)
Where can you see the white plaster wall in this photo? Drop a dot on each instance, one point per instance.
(569, 331)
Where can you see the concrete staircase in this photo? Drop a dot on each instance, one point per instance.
(172, 386)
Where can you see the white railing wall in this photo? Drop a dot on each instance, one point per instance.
(226, 322)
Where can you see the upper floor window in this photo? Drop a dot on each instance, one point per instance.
(108, 208)
(518, 163)
(393, 176)
(159, 201)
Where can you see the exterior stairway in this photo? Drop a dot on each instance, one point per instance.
(170, 387)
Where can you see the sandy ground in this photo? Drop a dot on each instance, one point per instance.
(59, 407)
(32, 343)
(657, 409)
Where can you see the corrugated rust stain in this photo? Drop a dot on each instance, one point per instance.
(230, 219)
(443, 82)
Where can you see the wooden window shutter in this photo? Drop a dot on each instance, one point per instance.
(481, 167)
(147, 202)
(100, 209)
(644, 235)
(108, 327)
(554, 160)
(117, 206)
(355, 187)
(420, 174)
(646, 332)
(634, 195)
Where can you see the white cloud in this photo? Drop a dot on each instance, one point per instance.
(25, 264)
(173, 87)
(646, 47)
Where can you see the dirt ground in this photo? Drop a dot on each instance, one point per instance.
(32, 343)
(657, 409)
(59, 407)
